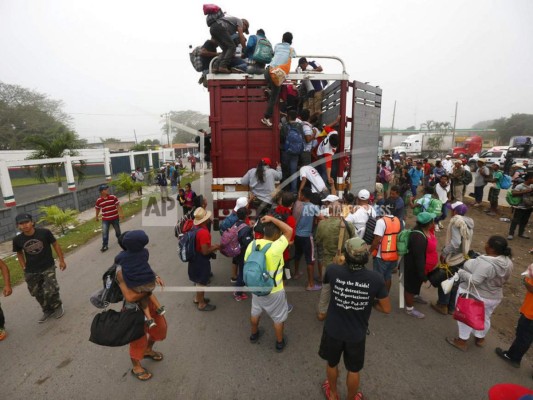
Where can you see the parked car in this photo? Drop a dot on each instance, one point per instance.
(495, 154)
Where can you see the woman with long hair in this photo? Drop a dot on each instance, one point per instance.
(488, 273)
(262, 182)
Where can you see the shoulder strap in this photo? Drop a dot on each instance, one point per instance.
(341, 235)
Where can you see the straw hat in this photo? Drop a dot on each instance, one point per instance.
(201, 215)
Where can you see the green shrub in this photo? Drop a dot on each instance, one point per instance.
(59, 218)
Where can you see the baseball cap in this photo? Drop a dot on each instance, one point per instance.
(241, 202)
(23, 217)
(363, 194)
(331, 198)
(459, 207)
(355, 246)
(266, 161)
(483, 160)
(448, 156)
(496, 163)
(425, 217)
(103, 187)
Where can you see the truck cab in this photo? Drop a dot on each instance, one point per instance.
(239, 139)
(471, 146)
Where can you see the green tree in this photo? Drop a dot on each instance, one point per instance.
(516, 125)
(25, 113)
(55, 143)
(193, 119)
(124, 183)
(484, 124)
(58, 217)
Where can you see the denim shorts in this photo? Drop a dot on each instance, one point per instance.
(385, 268)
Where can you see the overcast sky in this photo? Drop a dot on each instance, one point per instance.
(118, 65)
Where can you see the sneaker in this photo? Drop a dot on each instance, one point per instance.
(233, 280)
(58, 312)
(150, 323)
(289, 308)
(237, 70)
(420, 300)
(244, 296)
(440, 308)
(45, 316)
(503, 354)
(254, 337)
(415, 313)
(237, 297)
(510, 237)
(477, 205)
(280, 345)
(524, 236)
(313, 288)
(266, 121)
(3, 334)
(104, 248)
(223, 70)
(440, 225)
(161, 310)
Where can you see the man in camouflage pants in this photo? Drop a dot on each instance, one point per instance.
(34, 252)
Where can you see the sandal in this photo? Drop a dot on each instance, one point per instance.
(155, 356)
(147, 375)
(206, 300)
(327, 390)
(208, 307)
(359, 396)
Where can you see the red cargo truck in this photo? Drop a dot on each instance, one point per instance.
(470, 146)
(239, 139)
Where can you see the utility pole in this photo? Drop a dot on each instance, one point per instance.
(135, 134)
(168, 129)
(454, 122)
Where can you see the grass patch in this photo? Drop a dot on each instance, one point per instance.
(81, 234)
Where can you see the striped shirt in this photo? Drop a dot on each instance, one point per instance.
(108, 206)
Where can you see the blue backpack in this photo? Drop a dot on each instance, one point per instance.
(505, 181)
(255, 273)
(187, 246)
(294, 144)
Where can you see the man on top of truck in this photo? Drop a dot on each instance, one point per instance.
(221, 31)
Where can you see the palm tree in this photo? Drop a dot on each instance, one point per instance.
(55, 143)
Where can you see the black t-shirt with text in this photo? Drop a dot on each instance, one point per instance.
(352, 296)
(36, 248)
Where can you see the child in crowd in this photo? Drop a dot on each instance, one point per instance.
(137, 273)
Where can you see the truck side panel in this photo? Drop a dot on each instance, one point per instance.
(364, 135)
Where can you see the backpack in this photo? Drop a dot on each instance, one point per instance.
(294, 143)
(505, 182)
(402, 242)
(113, 328)
(255, 273)
(213, 13)
(385, 175)
(107, 295)
(467, 177)
(196, 59)
(512, 200)
(263, 52)
(368, 237)
(434, 207)
(187, 246)
(229, 241)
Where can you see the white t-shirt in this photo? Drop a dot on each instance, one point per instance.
(447, 165)
(312, 175)
(442, 193)
(325, 147)
(308, 131)
(360, 217)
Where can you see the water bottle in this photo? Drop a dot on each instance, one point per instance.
(265, 276)
(108, 282)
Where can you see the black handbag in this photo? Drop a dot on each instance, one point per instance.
(112, 328)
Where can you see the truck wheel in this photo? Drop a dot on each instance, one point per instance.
(435, 155)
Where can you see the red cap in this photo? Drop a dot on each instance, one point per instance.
(328, 129)
(266, 161)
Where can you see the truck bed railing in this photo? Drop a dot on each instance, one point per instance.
(293, 75)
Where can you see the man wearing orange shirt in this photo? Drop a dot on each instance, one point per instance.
(524, 328)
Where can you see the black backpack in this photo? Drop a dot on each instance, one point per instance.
(467, 177)
(369, 230)
(108, 295)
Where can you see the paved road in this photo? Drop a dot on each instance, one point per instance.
(208, 356)
(26, 194)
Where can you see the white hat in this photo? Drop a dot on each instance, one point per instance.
(448, 156)
(201, 215)
(496, 163)
(363, 194)
(241, 202)
(331, 198)
(438, 159)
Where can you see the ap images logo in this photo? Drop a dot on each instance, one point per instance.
(158, 212)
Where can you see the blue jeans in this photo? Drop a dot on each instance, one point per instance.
(105, 230)
(523, 339)
(478, 193)
(413, 189)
